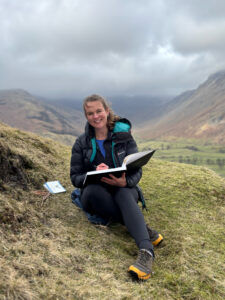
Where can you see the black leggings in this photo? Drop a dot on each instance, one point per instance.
(120, 204)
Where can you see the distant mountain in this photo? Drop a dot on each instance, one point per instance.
(20, 109)
(139, 108)
(134, 108)
(194, 114)
(198, 113)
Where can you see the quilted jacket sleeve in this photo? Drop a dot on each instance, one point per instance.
(133, 177)
(77, 171)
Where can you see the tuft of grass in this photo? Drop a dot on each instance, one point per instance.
(49, 250)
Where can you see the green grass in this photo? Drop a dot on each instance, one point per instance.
(49, 250)
(193, 152)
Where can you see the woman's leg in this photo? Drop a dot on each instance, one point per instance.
(96, 199)
(121, 204)
(126, 200)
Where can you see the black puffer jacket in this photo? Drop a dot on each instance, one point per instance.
(84, 152)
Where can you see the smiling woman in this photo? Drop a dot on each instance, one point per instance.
(97, 116)
(105, 143)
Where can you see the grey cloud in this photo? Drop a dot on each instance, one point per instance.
(197, 26)
(82, 30)
(190, 37)
(68, 47)
(201, 11)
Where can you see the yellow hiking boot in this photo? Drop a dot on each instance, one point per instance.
(142, 268)
(155, 237)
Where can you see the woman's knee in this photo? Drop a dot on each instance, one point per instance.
(124, 196)
(127, 193)
(91, 194)
(86, 196)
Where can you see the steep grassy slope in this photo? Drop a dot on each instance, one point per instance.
(48, 249)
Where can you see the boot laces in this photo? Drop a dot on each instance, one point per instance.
(143, 257)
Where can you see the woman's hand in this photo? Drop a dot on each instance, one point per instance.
(120, 182)
(102, 166)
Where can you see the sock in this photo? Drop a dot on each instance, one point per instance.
(147, 245)
(151, 252)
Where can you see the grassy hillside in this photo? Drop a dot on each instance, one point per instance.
(48, 249)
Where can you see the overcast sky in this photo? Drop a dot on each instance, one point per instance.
(71, 48)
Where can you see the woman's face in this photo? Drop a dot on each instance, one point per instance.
(96, 114)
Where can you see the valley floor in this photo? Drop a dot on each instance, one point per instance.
(192, 152)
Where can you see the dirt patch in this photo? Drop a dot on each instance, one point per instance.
(14, 168)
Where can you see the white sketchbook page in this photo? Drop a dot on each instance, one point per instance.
(111, 170)
(54, 187)
(128, 159)
(134, 156)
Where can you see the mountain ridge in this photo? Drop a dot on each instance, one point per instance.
(199, 113)
(20, 109)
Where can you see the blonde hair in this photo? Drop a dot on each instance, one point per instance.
(112, 117)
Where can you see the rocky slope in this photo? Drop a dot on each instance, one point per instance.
(195, 114)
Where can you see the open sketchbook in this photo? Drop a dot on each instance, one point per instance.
(54, 187)
(131, 161)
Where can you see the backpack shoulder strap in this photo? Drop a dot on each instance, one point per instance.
(141, 197)
(93, 143)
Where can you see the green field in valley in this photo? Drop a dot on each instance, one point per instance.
(192, 152)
